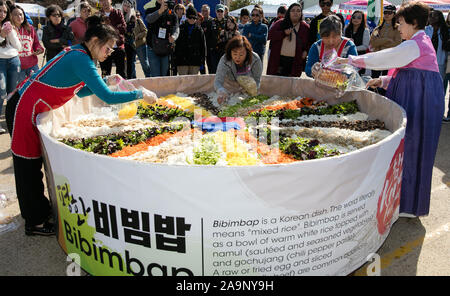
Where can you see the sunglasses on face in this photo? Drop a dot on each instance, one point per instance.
(356, 17)
(255, 14)
(323, 4)
(192, 17)
(388, 12)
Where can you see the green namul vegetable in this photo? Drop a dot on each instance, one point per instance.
(163, 113)
(337, 109)
(109, 144)
(304, 149)
(248, 102)
(208, 153)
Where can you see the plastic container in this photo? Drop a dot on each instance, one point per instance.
(127, 110)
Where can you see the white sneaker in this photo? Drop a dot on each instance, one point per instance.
(2, 131)
(406, 215)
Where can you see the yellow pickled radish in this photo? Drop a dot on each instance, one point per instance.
(128, 111)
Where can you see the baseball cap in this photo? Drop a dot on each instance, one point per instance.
(220, 7)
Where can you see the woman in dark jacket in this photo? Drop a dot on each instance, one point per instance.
(56, 36)
(359, 34)
(231, 30)
(190, 49)
(289, 44)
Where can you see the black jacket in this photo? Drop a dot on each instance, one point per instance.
(315, 23)
(190, 50)
(50, 32)
(168, 20)
(208, 27)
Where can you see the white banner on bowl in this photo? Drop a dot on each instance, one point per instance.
(316, 217)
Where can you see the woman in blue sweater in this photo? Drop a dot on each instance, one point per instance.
(256, 33)
(331, 34)
(72, 72)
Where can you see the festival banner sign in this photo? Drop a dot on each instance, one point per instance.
(374, 13)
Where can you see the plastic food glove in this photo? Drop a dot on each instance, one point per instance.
(222, 96)
(248, 84)
(149, 96)
(341, 61)
(374, 83)
(112, 80)
(315, 69)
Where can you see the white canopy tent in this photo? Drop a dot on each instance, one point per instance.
(271, 10)
(71, 11)
(316, 10)
(33, 10)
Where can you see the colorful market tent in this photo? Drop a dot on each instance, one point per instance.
(269, 10)
(33, 10)
(443, 5)
(357, 5)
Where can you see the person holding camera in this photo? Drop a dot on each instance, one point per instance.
(129, 15)
(163, 32)
(208, 28)
(218, 29)
(114, 17)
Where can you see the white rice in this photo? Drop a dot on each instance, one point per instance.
(340, 137)
(329, 118)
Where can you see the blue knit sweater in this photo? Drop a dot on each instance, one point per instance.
(75, 67)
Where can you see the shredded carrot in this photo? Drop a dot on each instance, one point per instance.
(292, 105)
(155, 141)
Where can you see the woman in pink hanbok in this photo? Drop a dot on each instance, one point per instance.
(416, 85)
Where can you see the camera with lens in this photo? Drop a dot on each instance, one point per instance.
(170, 4)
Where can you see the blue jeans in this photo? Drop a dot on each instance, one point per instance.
(9, 75)
(24, 73)
(159, 66)
(141, 52)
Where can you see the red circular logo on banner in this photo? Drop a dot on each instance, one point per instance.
(389, 198)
